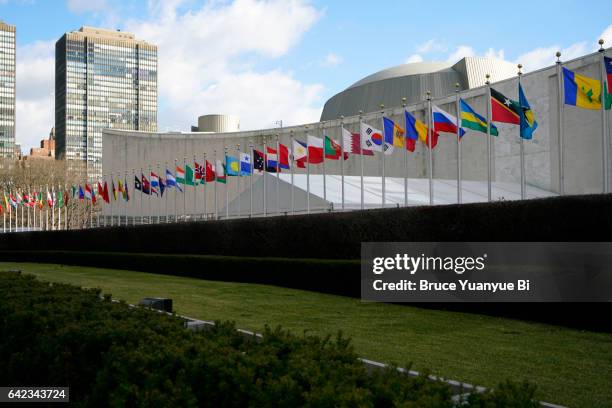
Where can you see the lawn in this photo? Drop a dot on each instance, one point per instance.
(570, 367)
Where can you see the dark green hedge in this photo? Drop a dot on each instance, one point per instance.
(112, 355)
(339, 235)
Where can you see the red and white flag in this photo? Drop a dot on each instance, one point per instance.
(352, 144)
(315, 149)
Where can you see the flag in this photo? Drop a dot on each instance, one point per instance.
(504, 109)
(105, 196)
(49, 199)
(245, 164)
(581, 91)
(417, 130)
(14, 202)
(232, 164)
(394, 134)
(220, 172)
(315, 149)
(199, 173)
(115, 189)
(154, 183)
(372, 139)
(146, 186)
(471, 120)
(88, 192)
(100, 190)
(137, 184)
(65, 198)
(608, 65)
(171, 181)
(283, 156)
(74, 191)
(445, 122)
(210, 172)
(18, 199)
(352, 144)
(189, 176)
(180, 175)
(271, 160)
(300, 153)
(162, 186)
(60, 199)
(81, 194)
(528, 122)
(333, 150)
(126, 193)
(258, 162)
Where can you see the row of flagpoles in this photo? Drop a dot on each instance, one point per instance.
(573, 90)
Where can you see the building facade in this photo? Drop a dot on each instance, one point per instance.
(46, 149)
(103, 79)
(7, 90)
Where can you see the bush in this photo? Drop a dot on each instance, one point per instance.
(110, 354)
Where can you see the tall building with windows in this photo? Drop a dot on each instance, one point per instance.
(7, 90)
(103, 79)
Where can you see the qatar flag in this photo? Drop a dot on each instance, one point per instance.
(352, 144)
(315, 149)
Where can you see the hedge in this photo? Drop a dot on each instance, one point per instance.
(339, 235)
(110, 354)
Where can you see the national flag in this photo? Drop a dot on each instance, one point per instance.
(283, 156)
(315, 149)
(245, 164)
(199, 173)
(210, 172)
(232, 164)
(445, 122)
(162, 186)
(126, 192)
(504, 109)
(13, 201)
(105, 195)
(528, 122)
(271, 160)
(608, 65)
(300, 153)
(81, 194)
(352, 144)
(49, 199)
(171, 181)
(74, 191)
(220, 172)
(146, 186)
(372, 139)
(417, 130)
(88, 192)
(60, 199)
(154, 183)
(137, 184)
(333, 150)
(114, 189)
(581, 91)
(180, 175)
(6, 203)
(66, 195)
(471, 120)
(394, 134)
(18, 198)
(189, 176)
(258, 162)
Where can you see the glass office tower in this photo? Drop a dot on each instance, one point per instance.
(103, 79)
(7, 90)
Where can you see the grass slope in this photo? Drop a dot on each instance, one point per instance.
(569, 367)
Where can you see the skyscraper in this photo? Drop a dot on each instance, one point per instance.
(7, 90)
(103, 79)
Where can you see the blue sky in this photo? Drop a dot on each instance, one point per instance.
(283, 59)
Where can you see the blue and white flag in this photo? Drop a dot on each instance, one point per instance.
(171, 181)
(245, 164)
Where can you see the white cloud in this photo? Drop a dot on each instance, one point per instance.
(35, 87)
(202, 55)
(432, 45)
(461, 52)
(84, 6)
(607, 36)
(413, 58)
(331, 60)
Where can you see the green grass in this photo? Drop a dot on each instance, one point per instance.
(570, 367)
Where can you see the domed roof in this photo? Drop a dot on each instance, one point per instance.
(404, 70)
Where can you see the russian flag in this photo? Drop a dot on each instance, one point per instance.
(445, 122)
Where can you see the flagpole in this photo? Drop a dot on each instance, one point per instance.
(384, 145)
(59, 212)
(127, 192)
(28, 209)
(65, 210)
(46, 215)
(265, 168)
(166, 204)
(251, 178)
(458, 112)
(112, 221)
(185, 192)
(324, 137)
(277, 175)
(292, 174)
(52, 209)
(604, 132)
(239, 212)
(226, 185)
(159, 204)
(205, 185)
(522, 145)
(560, 114)
(405, 153)
(216, 175)
(488, 98)
(361, 162)
(33, 214)
(429, 145)
(195, 190)
(307, 171)
(176, 190)
(342, 157)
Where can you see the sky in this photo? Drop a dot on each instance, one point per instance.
(282, 59)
